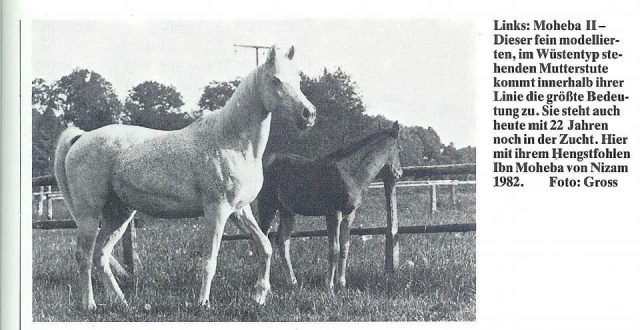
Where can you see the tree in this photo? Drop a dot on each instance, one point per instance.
(339, 103)
(216, 94)
(46, 127)
(466, 155)
(40, 95)
(87, 100)
(154, 105)
(335, 91)
(449, 154)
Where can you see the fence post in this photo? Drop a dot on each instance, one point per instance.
(392, 255)
(49, 204)
(454, 189)
(129, 249)
(434, 199)
(41, 203)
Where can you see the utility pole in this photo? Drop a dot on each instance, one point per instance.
(257, 48)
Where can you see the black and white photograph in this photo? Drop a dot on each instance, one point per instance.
(295, 164)
(256, 170)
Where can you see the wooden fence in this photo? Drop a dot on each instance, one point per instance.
(391, 231)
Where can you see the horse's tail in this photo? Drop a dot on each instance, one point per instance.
(65, 141)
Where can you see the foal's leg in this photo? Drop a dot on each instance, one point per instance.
(260, 240)
(284, 241)
(333, 231)
(216, 215)
(267, 208)
(114, 224)
(345, 236)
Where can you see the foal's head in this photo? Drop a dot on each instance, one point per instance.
(393, 161)
(279, 82)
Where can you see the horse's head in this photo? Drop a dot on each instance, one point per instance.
(393, 162)
(279, 83)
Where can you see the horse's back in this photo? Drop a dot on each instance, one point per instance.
(278, 163)
(100, 149)
(304, 186)
(135, 163)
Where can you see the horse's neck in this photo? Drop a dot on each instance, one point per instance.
(364, 163)
(242, 123)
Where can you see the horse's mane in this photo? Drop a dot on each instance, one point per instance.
(353, 147)
(239, 92)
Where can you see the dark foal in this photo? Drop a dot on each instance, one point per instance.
(332, 186)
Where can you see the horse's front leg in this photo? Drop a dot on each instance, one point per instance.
(244, 219)
(216, 215)
(345, 238)
(333, 231)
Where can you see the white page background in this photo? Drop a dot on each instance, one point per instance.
(546, 258)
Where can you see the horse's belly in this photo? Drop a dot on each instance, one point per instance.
(157, 193)
(306, 204)
(164, 206)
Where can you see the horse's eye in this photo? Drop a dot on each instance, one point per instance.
(276, 81)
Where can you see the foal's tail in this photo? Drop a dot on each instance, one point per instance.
(66, 140)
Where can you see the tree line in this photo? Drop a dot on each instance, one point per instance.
(87, 100)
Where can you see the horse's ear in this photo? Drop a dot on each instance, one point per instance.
(271, 57)
(290, 53)
(396, 129)
(379, 124)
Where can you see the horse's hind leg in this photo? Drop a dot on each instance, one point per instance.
(264, 250)
(284, 242)
(240, 223)
(345, 238)
(115, 221)
(87, 231)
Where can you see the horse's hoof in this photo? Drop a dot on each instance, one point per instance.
(260, 294)
(118, 300)
(260, 291)
(293, 284)
(328, 285)
(89, 306)
(330, 289)
(260, 298)
(205, 304)
(342, 285)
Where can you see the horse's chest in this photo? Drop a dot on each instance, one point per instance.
(235, 179)
(244, 188)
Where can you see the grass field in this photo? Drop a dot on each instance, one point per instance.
(435, 282)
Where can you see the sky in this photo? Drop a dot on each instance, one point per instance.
(419, 72)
